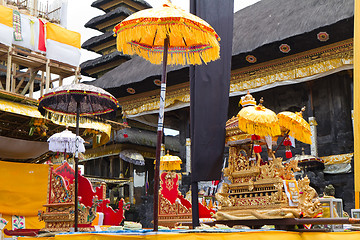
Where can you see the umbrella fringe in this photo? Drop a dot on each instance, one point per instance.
(302, 133)
(70, 120)
(177, 55)
(260, 129)
(169, 165)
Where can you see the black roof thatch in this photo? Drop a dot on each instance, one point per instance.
(120, 11)
(94, 41)
(255, 27)
(146, 138)
(134, 70)
(269, 21)
(98, 3)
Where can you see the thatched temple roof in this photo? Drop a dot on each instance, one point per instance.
(255, 27)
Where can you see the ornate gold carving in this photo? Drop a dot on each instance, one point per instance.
(308, 199)
(257, 190)
(171, 214)
(60, 209)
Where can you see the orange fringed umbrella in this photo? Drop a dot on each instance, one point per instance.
(170, 163)
(296, 125)
(163, 33)
(191, 40)
(259, 120)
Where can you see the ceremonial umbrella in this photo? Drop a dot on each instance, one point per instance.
(172, 36)
(170, 163)
(308, 162)
(77, 100)
(66, 142)
(296, 125)
(132, 156)
(258, 121)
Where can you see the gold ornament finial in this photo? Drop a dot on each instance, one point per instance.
(247, 100)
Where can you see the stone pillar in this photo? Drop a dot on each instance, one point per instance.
(111, 163)
(188, 155)
(131, 185)
(313, 147)
(121, 175)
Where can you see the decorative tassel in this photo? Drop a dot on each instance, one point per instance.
(287, 144)
(257, 148)
(288, 154)
(255, 137)
(126, 123)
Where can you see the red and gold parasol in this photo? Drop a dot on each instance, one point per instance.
(296, 125)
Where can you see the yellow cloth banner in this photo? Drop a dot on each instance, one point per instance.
(19, 108)
(357, 101)
(252, 235)
(336, 159)
(331, 236)
(62, 35)
(23, 188)
(6, 16)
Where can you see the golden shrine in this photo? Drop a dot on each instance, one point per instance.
(60, 208)
(261, 189)
(59, 215)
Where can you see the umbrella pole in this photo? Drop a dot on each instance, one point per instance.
(160, 135)
(76, 166)
(285, 135)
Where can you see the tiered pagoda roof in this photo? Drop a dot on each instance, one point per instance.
(109, 5)
(105, 44)
(104, 23)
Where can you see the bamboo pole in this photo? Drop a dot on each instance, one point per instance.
(8, 70)
(48, 76)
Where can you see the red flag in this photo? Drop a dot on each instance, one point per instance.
(41, 46)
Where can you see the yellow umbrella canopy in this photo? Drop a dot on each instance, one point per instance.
(258, 120)
(296, 125)
(170, 163)
(191, 39)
